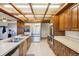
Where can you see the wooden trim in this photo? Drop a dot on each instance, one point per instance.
(46, 10)
(64, 7)
(32, 9)
(1, 10)
(29, 14)
(17, 9)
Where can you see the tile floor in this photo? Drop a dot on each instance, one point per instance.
(40, 49)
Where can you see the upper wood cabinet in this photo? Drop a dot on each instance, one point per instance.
(75, 18)
(67, 19)
(61, 22)
(20, 27)
(56, 23)
(57, 32)
(78, 16)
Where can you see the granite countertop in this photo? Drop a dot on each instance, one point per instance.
(6, 47)
(70, 42)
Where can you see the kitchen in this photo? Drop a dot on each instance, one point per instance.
(39, 29)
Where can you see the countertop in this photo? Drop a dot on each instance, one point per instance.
(6, 47)
(70, 42)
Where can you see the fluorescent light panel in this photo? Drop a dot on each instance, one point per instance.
(17, 5)
(47, 15)
(39, 15)
(8, 6)
(23, 6)
(39, 6)
(54, 6)
(29, 15)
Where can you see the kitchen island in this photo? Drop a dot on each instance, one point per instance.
(8, 48)
(66, 46)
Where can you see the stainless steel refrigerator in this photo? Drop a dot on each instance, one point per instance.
(36, 32)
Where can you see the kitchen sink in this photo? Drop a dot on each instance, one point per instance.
(15, 40)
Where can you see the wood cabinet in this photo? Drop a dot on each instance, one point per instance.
(57, 32)
(20, 27)
(62, 50)
(29, 40)
(23, 48)
(69, 20)
(16, 53)
(75, 18)
(61, 22)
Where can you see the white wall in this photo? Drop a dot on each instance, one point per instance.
(45, 29)
(13, 26)
(73, 34)
(11, 23)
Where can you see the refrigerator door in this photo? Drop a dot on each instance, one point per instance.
(36, 28)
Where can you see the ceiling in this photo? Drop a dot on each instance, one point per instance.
(31, 11)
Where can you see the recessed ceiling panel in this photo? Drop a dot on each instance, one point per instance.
(53, 8)
(9, 8)
(39, 8)
(29, 16)
(25, 8)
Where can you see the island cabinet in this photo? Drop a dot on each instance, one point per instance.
(62, 50)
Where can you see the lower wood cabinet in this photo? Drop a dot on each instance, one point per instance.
(16, 53)
(29, 40)
(62, 50)
(23, 48)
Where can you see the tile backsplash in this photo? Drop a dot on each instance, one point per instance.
(73, 34)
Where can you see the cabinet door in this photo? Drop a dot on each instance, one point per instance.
(61, 22)
(21, 49)
(74, 18)
(56, 23)
(73, 53)
(68, 19)
(16, 53)
(78, 17)
(24, 48)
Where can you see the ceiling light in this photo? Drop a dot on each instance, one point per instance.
(54, 6)
(29, 15)
(8, 6)
(39, 15)
(39, 6)
(20, 15)
(47, 15)
(23, 6)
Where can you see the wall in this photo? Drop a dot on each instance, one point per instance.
(73, 34)
(13, 26)
(11, 23)
(45, 29)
